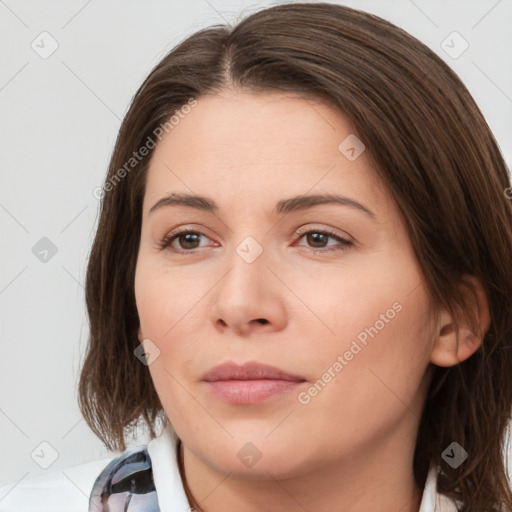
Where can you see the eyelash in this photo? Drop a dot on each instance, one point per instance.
(168, 239)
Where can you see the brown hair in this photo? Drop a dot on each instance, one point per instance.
(436, 154)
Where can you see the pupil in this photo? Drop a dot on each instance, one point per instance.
(187, 239)
(316, 237)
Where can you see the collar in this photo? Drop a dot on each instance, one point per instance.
(432, 501)
(166, 475)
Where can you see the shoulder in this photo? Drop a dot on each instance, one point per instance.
(98, 485)
(67, 489)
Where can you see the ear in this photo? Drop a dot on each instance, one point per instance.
(139, 334)
(447, 351)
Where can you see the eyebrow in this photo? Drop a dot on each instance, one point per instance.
(292, 204)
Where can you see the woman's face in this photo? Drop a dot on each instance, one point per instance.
(329, 293)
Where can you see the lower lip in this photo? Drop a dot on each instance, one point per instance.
(251, 391)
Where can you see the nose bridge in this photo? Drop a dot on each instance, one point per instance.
(247, 293)
(247, 269)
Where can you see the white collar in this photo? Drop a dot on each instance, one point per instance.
(166, 474)
(171, 494)
(432, 501)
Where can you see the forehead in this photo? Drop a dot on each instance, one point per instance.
(260, 147)
(255, 121)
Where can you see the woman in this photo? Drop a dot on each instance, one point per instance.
(302, 266)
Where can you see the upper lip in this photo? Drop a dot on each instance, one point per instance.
(251, 370)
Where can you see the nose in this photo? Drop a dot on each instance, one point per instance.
(249, 298)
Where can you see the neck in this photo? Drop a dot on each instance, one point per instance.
(322, 490)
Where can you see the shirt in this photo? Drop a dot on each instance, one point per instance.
(140, 479)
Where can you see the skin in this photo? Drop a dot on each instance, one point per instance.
(353, 442)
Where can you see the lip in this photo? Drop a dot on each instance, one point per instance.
(249, 383)
(251, 370)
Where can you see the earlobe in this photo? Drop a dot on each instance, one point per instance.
(139, 334)
(449, 351)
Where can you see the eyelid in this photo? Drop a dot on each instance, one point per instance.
(185, 228)
(327, 229)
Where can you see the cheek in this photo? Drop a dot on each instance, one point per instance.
(378, 342)
(167, 299)
(172, 314)
(378, 363)
(371, 305)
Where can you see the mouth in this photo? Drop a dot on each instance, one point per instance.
(250, 383)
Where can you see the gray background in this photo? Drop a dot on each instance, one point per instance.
(59, 120)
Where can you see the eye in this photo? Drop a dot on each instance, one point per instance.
(187, 240)
(318, 238)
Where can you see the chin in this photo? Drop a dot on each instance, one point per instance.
(258, 460)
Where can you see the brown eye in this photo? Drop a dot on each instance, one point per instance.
(317, 240)
(187, 241)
